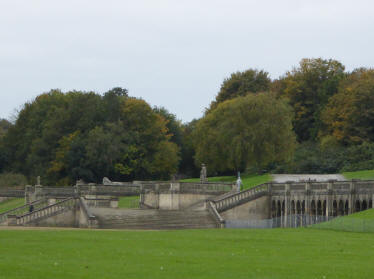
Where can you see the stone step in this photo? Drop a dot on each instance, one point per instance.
(153, 219)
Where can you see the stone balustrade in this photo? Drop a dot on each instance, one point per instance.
(44, 212)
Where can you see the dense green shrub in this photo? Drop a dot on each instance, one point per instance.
(12, 179)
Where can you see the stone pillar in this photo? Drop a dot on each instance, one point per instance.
(77, 191)
(287, 204)
(329, 200)
(352, 198)
(113, 203)
(38, 192)
(270, 201)
(28, 194)
(307, 198)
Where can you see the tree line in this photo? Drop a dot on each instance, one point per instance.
(315, 118)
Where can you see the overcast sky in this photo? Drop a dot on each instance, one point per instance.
(171, 53)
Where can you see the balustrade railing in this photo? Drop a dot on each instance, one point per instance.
(45, 212)
(21, 210)
(236, 198)
(216, 216)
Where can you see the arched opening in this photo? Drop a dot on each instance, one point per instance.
(341, 208)
(357, 206)
(279, 209)
(364, 205)
(334, 208)
(298, 207)
(346, 208)
(319, 208)
(370, 203)
(303, 207)
(324, 208)
(313, 208)
(273, 209)
(293, 207)
(283, 208)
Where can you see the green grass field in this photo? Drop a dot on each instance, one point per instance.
(249, 180)
(273, 253)
(128, 202)
(11, 203)
(364, 175)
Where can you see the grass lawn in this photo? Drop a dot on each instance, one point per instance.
(128, 202)
(11, 203)
(273, 253)
(249, 180)
(364, 175)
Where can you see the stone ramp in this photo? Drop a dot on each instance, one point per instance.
(153, 219)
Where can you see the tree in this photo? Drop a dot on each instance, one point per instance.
(308, 89)
(67, 136)
(4, 127)
(249, 131)
(349, 115)
(242, 83)
(187, 165)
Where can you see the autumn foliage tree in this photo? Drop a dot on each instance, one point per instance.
(67, 136)
(248, 131)
(349, 115)
(308, 89)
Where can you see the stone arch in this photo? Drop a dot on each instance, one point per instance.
(364, 205)
(283, 208)
(341, 208)
(319, 208)
(313, 208)
(303, 207)
(324, 208)
(357, 206)
(273, 209)
(334, 208)
(346, 208)
(293, 207)
(370, 203)
(279, 209)
(298, 207)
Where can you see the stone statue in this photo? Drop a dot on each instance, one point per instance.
(106, 181)
(203, 176)
(238, 182)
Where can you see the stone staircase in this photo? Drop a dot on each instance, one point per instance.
(22, 210)
(229, 201)
(153, 219)
(41, 213)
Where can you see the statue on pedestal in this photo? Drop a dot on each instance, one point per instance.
(238, 182)
(203, 175)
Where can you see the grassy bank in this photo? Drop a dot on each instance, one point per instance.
(364, 175)
(11, 203)
(277, 253)
(358, 222)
